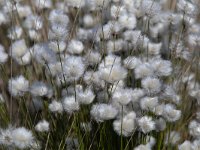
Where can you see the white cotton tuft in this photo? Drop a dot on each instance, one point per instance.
(97, 4)
(88, 20)
(186, 145)
(151, 85)
(194, 128)
(57, 17)
(85, 97)
(136, 94)
(73, 68)
(25, 59)
(127, 21)
(111, 69)
(125, 126)
(57, 32)
(18, 86)
(122, 96)
(23, 10)
(15, 33)
(75, 47)
(18, 49)
(57, 46)
(117, 10)
(112, 74)
(143, 147)
(91, 77)
(146, 124)
(115, 45)
(149, 103)
(42, 4)
(132, 62)
(75, 3)
(170, 113)
(161, 67)
(6, 136)
(56, 106)
(40, 89)
(93, 57)
(143, 70)
(70, 104)
(43, 54)
(42, 126)
(22, 137)
(33, 22)
(101, 112)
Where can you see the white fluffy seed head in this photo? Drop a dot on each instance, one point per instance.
(57, 46)
(194, 128)
(112, 74)
(146, 124)
(117, 10)
(143, 70)
(122, 96)
(93, 57)
(151, 85)
(56, 106)
(75, 47)
(126, 125)
(170, 113)
(42, 4)
(33, 22)
(18, 86)
(97, 4)
(75, 3)
(115, 46)
(15, 33)
(101, 112)
(59, 18)
(42, 126)
(136, 94)
(18, 49)
(73, 68)
(161, 67)
(23, 10)
(143, 147)
(25, 59)
(70, 104)
(57, 32)
(91, 77)
(22, 137)
(149, 103)
(186, 145)
(85, 97)
(132, 62)
(43, 54)
(6, 136)
(88, 20)
(39, 89)
(127, 21)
